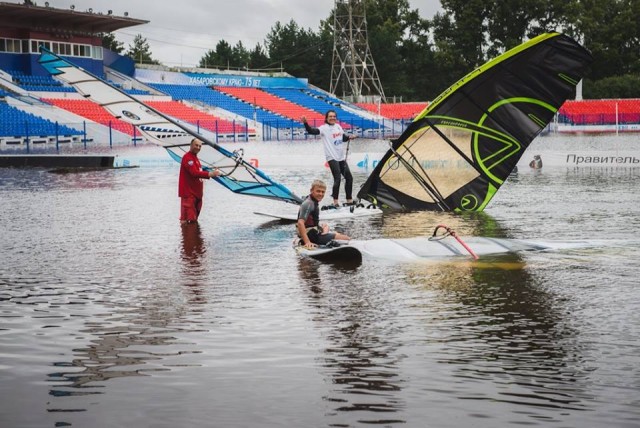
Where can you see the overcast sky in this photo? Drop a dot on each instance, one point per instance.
(180, 32)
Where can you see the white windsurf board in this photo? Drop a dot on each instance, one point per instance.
(424, 248)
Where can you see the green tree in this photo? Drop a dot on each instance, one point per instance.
(510, 23)
(222, 57)
(627, 86)
(507, 23)
(240, 56)
(425, 80)
(208, 60)
(140, 51)
(460, 33)
(321, 66)
(109, 41)
(386, 25)
(258, 58)
(293, 48)
(611, 30)
(223, 54)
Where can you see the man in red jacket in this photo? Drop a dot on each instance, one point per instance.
(190, 185)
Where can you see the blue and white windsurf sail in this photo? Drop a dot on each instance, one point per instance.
(238, 175)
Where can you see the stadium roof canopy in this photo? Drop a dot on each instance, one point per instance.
(37, 18)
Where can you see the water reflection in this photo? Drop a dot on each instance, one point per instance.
(422, 223)
(498, 327)
(83, 179)
(194, 262)
(17, 179)
(138, 333)
(123, 343)
(310, 274)
(127, 340)
(193, 249)
(112, 354)
(362, 356)
(507, 337)
(93, 288)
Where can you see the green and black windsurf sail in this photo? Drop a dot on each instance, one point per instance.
(238, 175)
(458, 151)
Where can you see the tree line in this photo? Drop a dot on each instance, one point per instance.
(417, 58)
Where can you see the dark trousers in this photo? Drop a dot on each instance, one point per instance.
(341, 168)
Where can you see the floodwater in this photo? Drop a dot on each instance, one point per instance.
(112, 315)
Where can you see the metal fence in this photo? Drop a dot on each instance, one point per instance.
(91, 134)
(283, 130)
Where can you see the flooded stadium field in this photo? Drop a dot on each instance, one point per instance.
(113, 315)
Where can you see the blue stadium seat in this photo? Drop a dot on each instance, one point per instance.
(38, 83)
(21, 124)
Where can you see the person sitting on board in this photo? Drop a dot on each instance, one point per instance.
(536, 163)
(333, 138)
(190, 185)
(310, 230)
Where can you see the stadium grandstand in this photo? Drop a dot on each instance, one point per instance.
(37, 109)
(396, 110)
(234, 106)
(600, 112)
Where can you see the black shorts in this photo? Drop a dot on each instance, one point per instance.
(320, 238)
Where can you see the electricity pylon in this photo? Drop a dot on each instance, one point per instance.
(353, 72)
